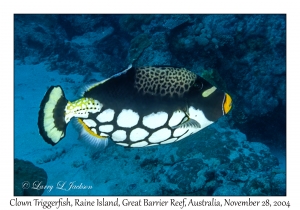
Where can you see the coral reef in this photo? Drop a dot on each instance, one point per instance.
(28, 179)
(137, 45)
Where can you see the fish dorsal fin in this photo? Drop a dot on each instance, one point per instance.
(187, 123)
(120, 73)
(88, 87)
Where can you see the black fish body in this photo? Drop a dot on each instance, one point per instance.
(135, 108)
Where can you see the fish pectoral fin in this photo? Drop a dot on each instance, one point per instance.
(190, 123)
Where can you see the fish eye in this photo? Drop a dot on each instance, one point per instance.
(198, 85)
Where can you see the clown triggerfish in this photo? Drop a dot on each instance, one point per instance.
(136, 108)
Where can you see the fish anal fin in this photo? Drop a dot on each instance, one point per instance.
(90, 136)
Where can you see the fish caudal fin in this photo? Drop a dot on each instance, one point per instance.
(51, 120)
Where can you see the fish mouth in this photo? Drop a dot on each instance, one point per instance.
(227, 104)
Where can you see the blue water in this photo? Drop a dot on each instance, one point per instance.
(243, 153)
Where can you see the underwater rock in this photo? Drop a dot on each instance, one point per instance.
(70, 43)
(51, 155)
(208, 167)
(174, 21)
(214, 78)
(137, 45)
(229, 190)
(279, 184)
(258, 186)
(188, 175)
(132, 23)
(27, 178)
(160, 42)
(154, 58)
(202, 40)
(157, 54)
(77, 25)
(33, 37)
(89, 38)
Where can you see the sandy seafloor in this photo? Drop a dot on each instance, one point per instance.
(114, 171)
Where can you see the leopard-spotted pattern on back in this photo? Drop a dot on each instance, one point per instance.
(164, 80)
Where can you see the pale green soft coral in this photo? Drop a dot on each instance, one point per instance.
(132, 22)
(137, 46)
(213, 77)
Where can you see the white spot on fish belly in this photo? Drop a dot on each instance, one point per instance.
(176, 118)
(123, 144)
(150, 145)
(118, 135)
(160, 135)
(94, 130)
(127, 118)
(90, 123)
(171, 140)
(139, 144)
(138, 134)
(106, 116)
(198, 115)
(106, 128)
(155, 120)
(103, 135)
(180, 131)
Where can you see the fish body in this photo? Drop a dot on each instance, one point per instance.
(136, 108)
